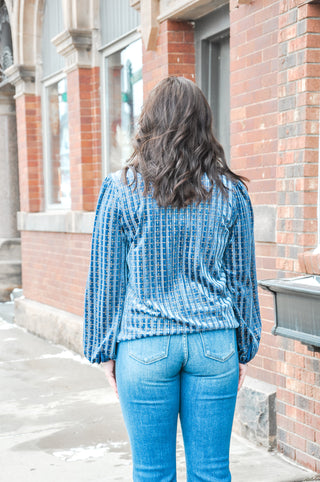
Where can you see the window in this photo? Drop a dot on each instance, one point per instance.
(57, 166)
(54, 112)
(123, 98)
(218, 89)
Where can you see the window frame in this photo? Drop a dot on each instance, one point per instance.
(47, 82)
(105, 51)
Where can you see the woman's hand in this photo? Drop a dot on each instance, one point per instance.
(109, 368)
(242, 374)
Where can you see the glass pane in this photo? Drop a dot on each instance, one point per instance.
(124, 98)
(218, 90)
(58, 134)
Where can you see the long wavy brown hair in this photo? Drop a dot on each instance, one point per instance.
(175, 145)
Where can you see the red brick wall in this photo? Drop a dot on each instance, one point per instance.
(29, 136)
(55, 268)
(174, 54)
(299, 99)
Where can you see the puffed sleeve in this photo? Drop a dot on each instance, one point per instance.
(107, 277)
(240, 269)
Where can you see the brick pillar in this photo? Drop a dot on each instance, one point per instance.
(96, 135)
(174, 54)
(84, 135)
(28, 112)
(297, 171)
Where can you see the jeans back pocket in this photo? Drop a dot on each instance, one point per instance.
(219, 344)
(149, 349)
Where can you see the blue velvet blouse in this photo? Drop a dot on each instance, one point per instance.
(157, 271)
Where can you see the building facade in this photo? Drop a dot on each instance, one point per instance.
(75, 84)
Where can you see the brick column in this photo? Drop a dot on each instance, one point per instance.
(85, 141)
(29, 136)
(174, 54)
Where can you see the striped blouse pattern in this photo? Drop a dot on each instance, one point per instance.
(157, 271)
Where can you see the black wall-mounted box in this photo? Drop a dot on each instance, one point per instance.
(297, 308)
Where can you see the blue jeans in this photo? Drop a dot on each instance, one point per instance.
(193, 375)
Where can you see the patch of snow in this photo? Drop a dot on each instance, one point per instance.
(6, 326)
(82, 453)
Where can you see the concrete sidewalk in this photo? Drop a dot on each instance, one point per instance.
(60, 421)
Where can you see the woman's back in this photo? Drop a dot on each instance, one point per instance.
(175, 264)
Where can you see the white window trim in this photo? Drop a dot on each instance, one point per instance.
(106, 51)
(121, 42)
(52, 79)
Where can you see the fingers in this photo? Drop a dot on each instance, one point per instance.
(241, 379)
(109, 369)
(242, 374)
(113, 384)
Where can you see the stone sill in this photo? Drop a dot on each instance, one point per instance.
(79, 222)
(310, 261)
(82, 222)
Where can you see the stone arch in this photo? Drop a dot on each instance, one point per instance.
(26, 32)
(38, 20)
(26, 23)
(17, 11)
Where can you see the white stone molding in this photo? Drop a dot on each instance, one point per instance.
(58, 222)
(149, 23)
(135, 4)
(22, 77)
(183, 10)
(75, 45)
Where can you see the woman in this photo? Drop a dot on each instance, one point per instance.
(171, 306)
